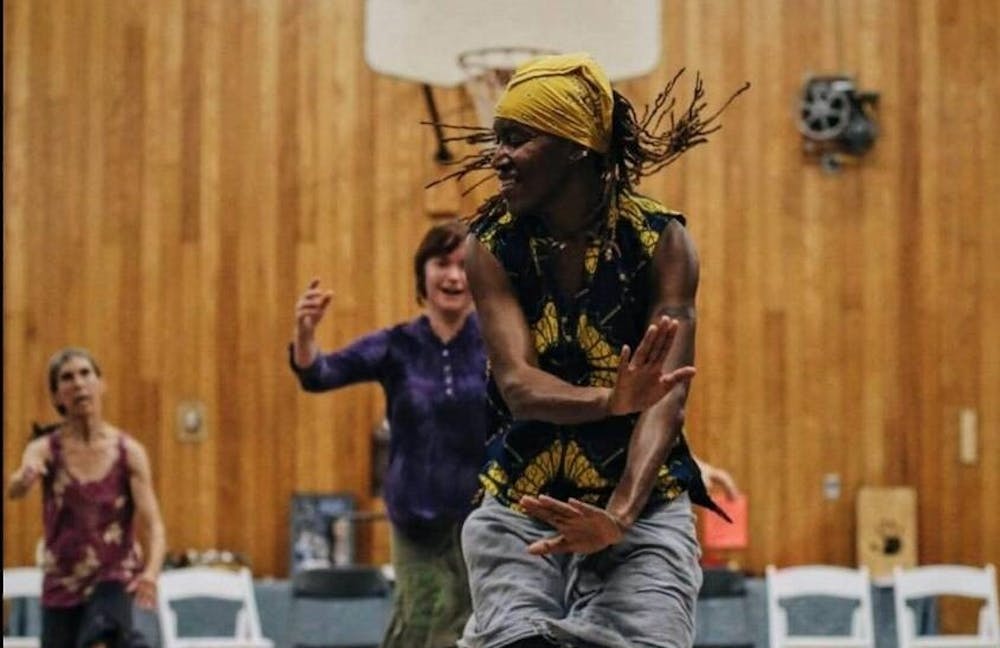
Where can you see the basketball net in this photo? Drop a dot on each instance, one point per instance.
(487, 72)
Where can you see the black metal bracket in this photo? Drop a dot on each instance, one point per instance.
(442, 154)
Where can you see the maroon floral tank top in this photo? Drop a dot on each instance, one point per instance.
(89, 537)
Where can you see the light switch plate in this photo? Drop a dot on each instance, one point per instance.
(831, 486)
(968, 433)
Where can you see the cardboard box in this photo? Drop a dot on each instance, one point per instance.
(887, 530)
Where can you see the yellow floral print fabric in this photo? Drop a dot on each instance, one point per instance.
(578, 338)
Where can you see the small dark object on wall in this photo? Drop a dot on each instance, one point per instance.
(836, 120)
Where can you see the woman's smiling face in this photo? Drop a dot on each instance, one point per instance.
(446, 284)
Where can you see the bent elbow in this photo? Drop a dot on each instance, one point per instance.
(517, 396)
(310, 384)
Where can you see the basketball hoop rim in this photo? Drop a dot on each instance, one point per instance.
(487, 71)
(472, 67)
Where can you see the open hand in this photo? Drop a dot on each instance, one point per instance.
(29, 473)
(581, 528)
(310, 307)
(641, 380)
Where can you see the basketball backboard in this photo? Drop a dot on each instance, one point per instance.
(421, 40)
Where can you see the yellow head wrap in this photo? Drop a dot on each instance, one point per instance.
(568, 95)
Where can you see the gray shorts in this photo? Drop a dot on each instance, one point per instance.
(639, 592)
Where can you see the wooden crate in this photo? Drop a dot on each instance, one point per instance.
(887, 530)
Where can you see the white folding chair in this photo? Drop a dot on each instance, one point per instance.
(819, 580)
(947, 580)
(210, 582)
(21, 583)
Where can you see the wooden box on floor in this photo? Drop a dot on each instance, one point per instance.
(887, 530)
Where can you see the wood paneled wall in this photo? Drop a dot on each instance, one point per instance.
(176, 171)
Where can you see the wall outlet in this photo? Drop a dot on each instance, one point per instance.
(191, 421)
(831, 486)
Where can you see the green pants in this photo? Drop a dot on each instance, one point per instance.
(432, 602)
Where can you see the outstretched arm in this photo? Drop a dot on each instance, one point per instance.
(717, 478)
(534, 394)
(317, 372)
(148, 513)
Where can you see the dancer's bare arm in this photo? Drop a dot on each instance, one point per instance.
(717, 478)
(534, 394)
(148, 513)
(674, 288)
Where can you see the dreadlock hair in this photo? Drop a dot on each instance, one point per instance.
(639, 147)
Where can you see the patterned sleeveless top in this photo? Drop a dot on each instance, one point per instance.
(579, 338)
(89, 537)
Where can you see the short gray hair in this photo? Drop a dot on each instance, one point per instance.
(59, 358)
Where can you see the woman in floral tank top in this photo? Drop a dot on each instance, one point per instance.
(96, 485)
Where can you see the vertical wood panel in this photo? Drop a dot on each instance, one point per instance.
(988, 365)
(176, 172)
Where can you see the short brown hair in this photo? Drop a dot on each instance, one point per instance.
(438, 241)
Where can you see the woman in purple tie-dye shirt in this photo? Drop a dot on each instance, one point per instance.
(433, 372)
